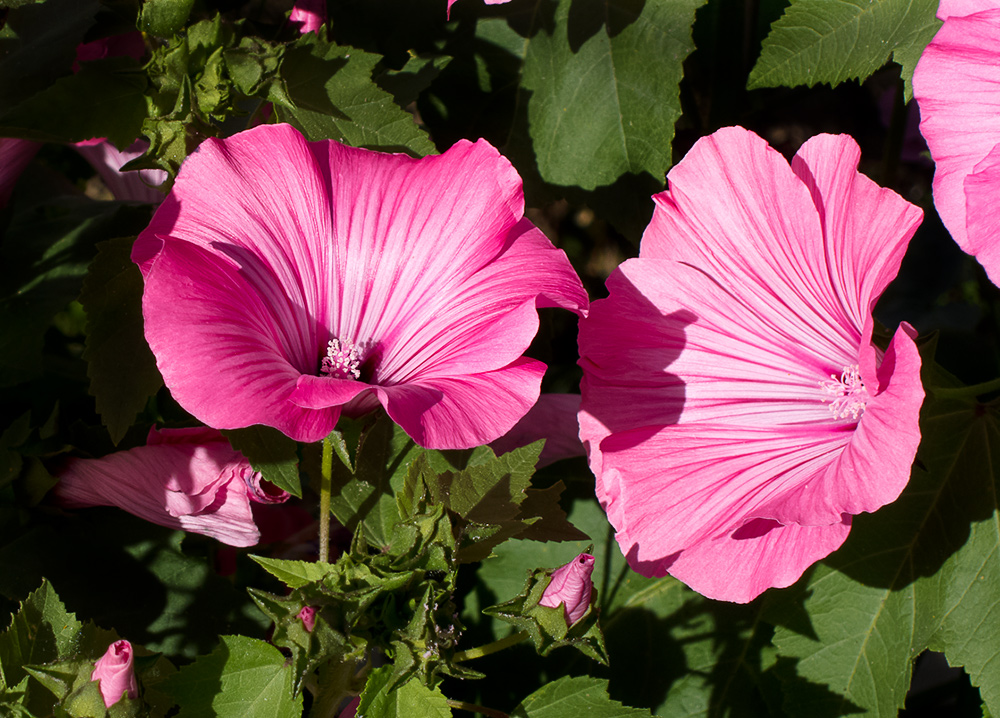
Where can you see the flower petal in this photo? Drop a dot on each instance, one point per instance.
(220, 342)
(553, 418)
(465, 411)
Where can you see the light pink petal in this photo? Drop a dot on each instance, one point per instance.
(983, 225)
(947, 8)
(462, 412)
(223, 346)
(553, 418)
(571, 587)
(15, 155)
(758, 556)
(134, 186)
(308, 15)
(197, 487)
(957, 85)
(115, 673)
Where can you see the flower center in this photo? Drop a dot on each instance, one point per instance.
(342, 360)
(848, 396)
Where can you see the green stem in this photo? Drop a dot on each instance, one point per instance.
(325, 489)
(472, 708)
(489, 648)
(962, 392)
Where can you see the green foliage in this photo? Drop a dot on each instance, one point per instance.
(164, 17)
(329, 93)
(241, 677)
(381, 700)
(121, 367)
(836, 40)
(574, 697)
(915, 576)
(271, 453)
(595, 109)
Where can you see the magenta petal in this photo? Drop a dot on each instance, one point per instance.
(553, 418)
(183, 480)
(134, 186)
(983, 225)
(115, 673)
(760, 555)
(571, 587)
(459, 413)
(15, 155)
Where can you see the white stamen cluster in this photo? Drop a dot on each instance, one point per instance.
(342, 360)
(848, 392)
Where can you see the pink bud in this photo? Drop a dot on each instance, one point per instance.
(571, 586)
(308, 15)
(308, 617)
(114, 673)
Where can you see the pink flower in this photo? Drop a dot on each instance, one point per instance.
(189, 479)
(288, 280)
(114, 672)
(15, 155)
(553, 418)
(735, 410)
(957, 86)
(308, 15)
(135, 186)
(571, 586)
(308, 617)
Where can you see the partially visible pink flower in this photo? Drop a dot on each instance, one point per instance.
(134, 185)
(571, 587)
(15, 155)
(957, 85)
(351, 710)
(114, 672)
(553, 418)
(488, 2)
(308, 15)
(735, 409)
(308, 617)
(300, 279)
(129, 44)
(190, 479)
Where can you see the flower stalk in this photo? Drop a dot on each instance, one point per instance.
(511, 640)
(325, 489)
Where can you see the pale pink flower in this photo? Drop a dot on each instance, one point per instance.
(288, 280)
(571, 587)
(189, 479)
(308, 15)
(115, 674)
(735, 409)
(553, 418)
(15, 155)
(957, 86)
(134, 185)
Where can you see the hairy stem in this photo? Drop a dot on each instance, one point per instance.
(489, 648)
(325, 489)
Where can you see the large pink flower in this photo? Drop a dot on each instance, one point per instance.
(735, 410)
(189, 479)
(957, 86)
(287, 280)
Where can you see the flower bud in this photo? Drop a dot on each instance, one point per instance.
(114, 673)
(571, 586)
(308, 617)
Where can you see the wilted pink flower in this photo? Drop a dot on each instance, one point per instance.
(189, 479)
(957, 86)
(114, 672)
(288, 280)
(571, 586)
(134, 185)
(735, 409)
(308, 617)
(15, 155)
(553, 418)
(308, 15)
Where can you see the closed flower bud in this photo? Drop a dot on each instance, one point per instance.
(114, 673)
(308, 617)
(571, 586)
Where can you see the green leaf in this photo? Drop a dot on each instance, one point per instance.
(332, 96)
(914, 576)
(164, 18)
(121, 367)
(294, 574)
(104, 99)
(574, 697)
(242, 677)
(406, 701)
(415, 77)
(836, 40)
(11, 438)
(271, 453)
(596, 111)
